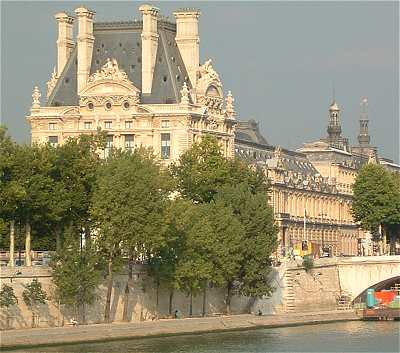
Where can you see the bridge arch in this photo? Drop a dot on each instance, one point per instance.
(385, 284)
(360, 273)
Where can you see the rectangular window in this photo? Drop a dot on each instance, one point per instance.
(165, 146)
(53, 141)
(108, 124)
(87, 125)
(129, 142)
(109, 145)
(165, 124)
(128, 124)
(52, 126)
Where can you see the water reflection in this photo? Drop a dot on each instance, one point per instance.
(354, 336)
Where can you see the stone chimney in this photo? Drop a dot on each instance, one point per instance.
(65, 42)
(187, 39)
(85, 44)
(149, 45)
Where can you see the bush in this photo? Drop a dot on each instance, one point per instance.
(7, 296)
(308, 263)
(33, 294)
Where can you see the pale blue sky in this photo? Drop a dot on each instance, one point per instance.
(280, 59)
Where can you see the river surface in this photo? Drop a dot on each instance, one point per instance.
(351, 336)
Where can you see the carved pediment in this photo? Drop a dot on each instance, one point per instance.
(72, 111)
(208, 82)
(110, 81)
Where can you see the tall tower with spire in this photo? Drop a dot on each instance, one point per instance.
(334, 129)
(363, 136)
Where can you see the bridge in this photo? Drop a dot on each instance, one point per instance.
(321, 288)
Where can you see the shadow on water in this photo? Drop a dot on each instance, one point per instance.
(352, 336)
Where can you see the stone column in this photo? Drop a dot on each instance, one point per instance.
(65, 42)
(149, 45)
(188, 40)
(28, 260)
(85, 45)
(12, 243)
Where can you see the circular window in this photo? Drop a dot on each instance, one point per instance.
(108, 105)
(90, 106)
(126, 105)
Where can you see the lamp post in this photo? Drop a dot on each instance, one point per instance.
(322, 215)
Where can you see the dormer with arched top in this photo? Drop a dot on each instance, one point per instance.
(109, 86)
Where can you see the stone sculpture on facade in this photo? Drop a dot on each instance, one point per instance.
(109, 71)
(230, 109)
(36, 98)
(52, 82)
(185, 94)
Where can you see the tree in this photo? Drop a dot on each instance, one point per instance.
(33, 295)
(211, 250)
(202, 170)
(7, 296)
(260, 236)
(77, 272)
(7, 300)
(128, 206)
(377, 201)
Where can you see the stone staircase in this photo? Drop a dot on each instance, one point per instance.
(288, 294)
(344, 301)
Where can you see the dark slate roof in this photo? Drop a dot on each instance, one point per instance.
(249, 131)
(122, 41)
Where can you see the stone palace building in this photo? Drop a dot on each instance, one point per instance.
(142, 83)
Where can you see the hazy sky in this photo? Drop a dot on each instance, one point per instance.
(280, 59)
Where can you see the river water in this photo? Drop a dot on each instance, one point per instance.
(351, 336)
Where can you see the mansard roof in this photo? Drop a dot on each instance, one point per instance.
(253, 147)
(122, 41)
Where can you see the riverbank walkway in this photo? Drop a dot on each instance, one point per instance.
(165, 327)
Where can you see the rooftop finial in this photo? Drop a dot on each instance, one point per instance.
(36, 98)
(185, 94)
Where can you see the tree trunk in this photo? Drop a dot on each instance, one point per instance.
(58, 239)
(28, 260)
(109, 291)
(157, 296)
(12, 243)
(171, 295)
(228, 298)
(191, 303)
(83, 309)
(204, 299)
(126, 295)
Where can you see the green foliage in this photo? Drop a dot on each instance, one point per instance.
(259, 239)
(308, 263)
(7, 296)
(34, 294)
(76, 272)
(377, 199)
(211, 247)
(128, 203)
(202, 169)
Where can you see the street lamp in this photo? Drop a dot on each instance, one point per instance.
(322, 215)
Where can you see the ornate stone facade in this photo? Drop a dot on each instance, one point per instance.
(307, 205)
(133, 80)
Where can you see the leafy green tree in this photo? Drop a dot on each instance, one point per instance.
(34, 295)
(377, 201)
(74, 173)
(7, 296)
(77, 273)
(7, 300)
(202, 169)
(211, 250)
(260, 236)
(163, 263)
(128, 206)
